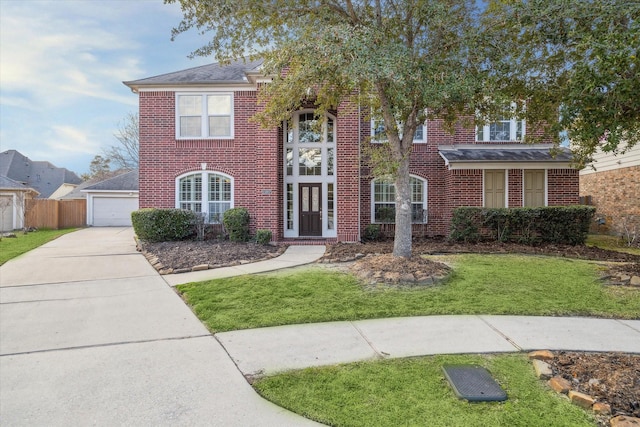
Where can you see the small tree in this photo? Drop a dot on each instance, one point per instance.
(98, 169)
(125, 154)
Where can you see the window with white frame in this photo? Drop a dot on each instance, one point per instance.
(204, 115)
(383, 200)
(213, 199)
(504, 129)
(378, 132)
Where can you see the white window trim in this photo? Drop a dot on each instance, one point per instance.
(513, 124)
(546, 186)
(506, 186)
(425, 203)
(205, 189)
(423, 140)
(204, 132)
(297, 179)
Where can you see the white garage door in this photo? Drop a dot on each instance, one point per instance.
(6, 213)
(113, 211)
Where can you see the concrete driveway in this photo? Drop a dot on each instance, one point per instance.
(91, 334)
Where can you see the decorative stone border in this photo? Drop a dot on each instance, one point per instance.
(563, 386)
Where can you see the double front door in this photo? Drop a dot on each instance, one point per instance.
(310, 209)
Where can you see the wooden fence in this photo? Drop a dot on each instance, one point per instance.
(55, 214)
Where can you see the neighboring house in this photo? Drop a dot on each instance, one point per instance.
(111, 201)
(612, 184)
(42, 176)
(199, 150)
(13, 200)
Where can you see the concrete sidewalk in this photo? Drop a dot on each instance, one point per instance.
(270, 350)
(295, 255)
(90, 334)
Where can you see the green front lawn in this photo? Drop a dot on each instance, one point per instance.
(612, 243)
(414, 392)
(480, 284)
(11, 247)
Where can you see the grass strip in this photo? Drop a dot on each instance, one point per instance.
(480, 284)
(414, 392)
(11, 247)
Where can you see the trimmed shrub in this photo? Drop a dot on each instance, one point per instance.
(236, 222)
(551, 224)
(372, 233)
(465, 225)
(263, 237)
(159, 225)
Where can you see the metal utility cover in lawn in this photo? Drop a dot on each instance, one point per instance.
(474, 383)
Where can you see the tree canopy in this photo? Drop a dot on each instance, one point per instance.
(577, 64)
(569, 66)
(400, 58)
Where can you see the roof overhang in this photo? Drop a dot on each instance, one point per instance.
(505, 156)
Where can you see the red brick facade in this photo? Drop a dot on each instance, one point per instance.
(255, 161)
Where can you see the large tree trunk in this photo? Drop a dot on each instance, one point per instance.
(402, 238)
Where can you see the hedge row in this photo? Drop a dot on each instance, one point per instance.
(553, 224)
(161, 225)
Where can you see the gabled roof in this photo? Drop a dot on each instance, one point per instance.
(127, 181)
(233, 73)
(504, 154)
(7, 183)
(43, 176)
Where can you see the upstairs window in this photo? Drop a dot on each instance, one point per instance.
(204, 115)
(504, 129)
(378, 132)
(383, 201)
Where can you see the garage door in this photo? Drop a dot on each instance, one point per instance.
(6, 213)
(113, 211)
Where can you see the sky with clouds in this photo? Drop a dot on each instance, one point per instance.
(62, 64)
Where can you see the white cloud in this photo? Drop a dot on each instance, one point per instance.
(53, 52)
(62, 64)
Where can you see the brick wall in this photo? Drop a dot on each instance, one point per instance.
(615, 193)
(563, 186)
(254, 160)
(349, 129)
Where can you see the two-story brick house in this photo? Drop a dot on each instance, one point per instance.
(199, 150)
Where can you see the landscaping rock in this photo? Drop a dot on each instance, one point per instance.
(583, 400)
(601, 408)
(166, 271)
(200, 267)
(543, 369)
(635, 281)
(560, 385)
(625, 421)
(181, 270)
(541, 355)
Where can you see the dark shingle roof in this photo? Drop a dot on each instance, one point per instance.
(40, 175)
(205, 74)
(524, 153)
(7, 183)
(127, 181)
